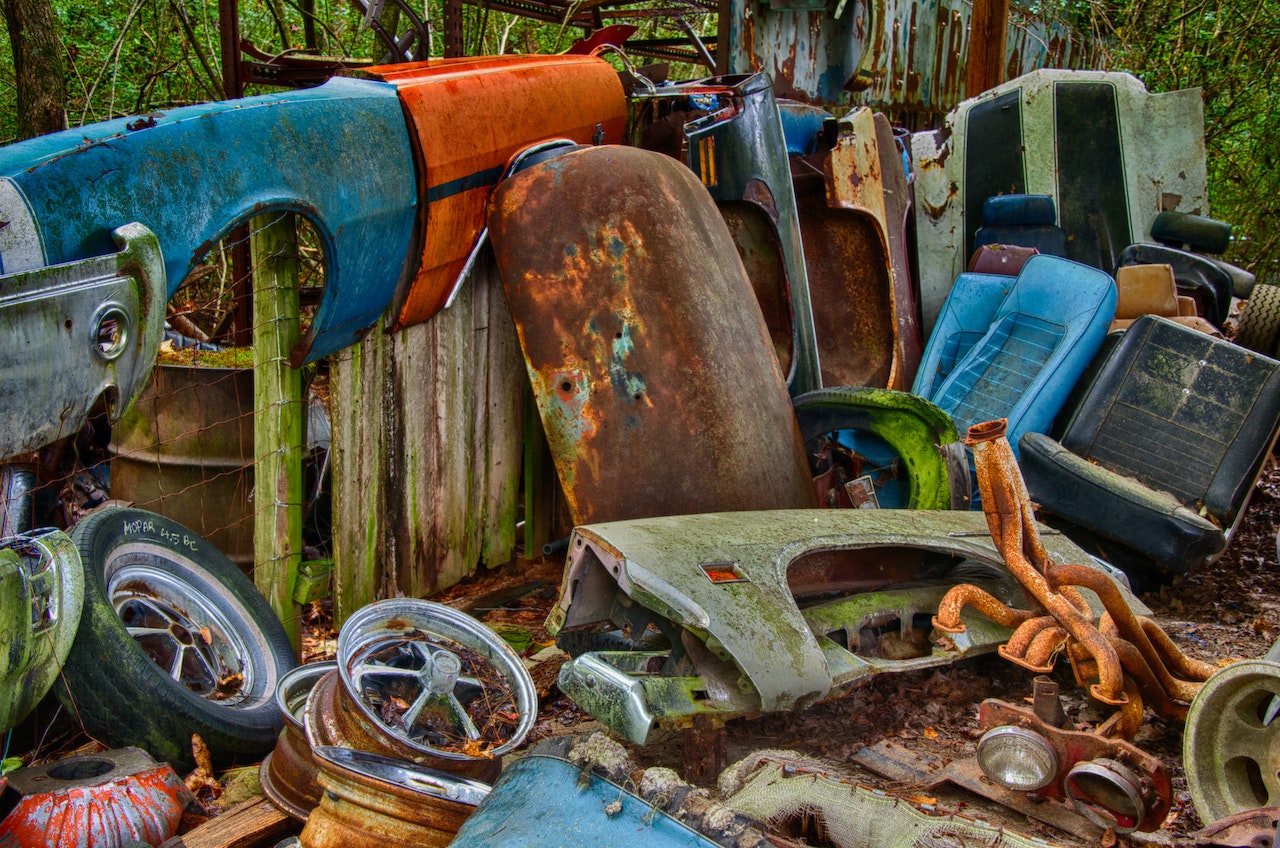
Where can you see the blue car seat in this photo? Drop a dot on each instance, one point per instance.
(1037, 344)
(1023, 219)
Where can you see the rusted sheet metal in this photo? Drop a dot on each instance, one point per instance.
(853, 205)
(1110, 155)
(643, 340)
(338, 154)
(905, 54)
(106, 799)
(426, 449)
(41, 598)
(729, 131)
(372, 801)
(469, 116)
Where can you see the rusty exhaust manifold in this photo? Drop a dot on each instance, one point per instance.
(1058, 617)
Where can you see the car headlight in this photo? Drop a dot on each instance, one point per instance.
(1017, 758)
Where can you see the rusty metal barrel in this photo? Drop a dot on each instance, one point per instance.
(185, 450)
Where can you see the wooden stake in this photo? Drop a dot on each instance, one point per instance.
(278, 416)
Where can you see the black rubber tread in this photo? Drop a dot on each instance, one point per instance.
(1259, 327)
(122, 698)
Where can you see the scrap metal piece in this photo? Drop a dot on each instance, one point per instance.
(646, 351)
(497, 106)
(1121, 641)
(745, 645)
(372, 801)
(892, 760)
(849, 815)
(1111, 782)
(1248, 829)
(853, 214)
(111, 798)
(75, 332)
(41, 597)
(288, 773)
(1231, 748)
(729, 132)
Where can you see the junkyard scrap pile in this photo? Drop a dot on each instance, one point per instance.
(863, 442)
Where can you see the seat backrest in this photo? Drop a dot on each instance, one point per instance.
(1196, 276)
(1145, 290)
(1181, 412)
(965, 318)
(1022, 219)
(1150, 290)
(1006, 259)
(1039, 342)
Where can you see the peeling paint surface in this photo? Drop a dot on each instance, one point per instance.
(469, 117)
(905, 54)
(338, 154)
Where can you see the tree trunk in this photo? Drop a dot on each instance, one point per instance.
(34, 36)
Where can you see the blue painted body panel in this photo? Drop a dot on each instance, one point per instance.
(801, 126)
(1042, 337)
(539, 801)
(965, 318)
(338, 154)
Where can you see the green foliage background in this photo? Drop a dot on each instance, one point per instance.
(133, 56)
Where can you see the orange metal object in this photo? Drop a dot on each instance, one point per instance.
(97, 800)
(1013, 530)
(468, 118)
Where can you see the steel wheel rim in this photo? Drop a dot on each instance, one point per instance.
(392, 644)
(1230, 755)
(198, 645)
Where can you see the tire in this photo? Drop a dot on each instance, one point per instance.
(1259, 327)
(190, 607)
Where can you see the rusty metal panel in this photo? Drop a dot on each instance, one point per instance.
(469, 117)
(730, 133)
(650, 361)
(907, 54)
(853, 203)
(1161, 152)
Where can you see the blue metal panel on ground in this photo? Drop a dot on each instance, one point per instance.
(540, 801)
(338, 154)
(1045, 333)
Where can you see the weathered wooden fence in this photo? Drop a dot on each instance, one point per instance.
(426, 452)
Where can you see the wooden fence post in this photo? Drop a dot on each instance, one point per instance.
(278, 416)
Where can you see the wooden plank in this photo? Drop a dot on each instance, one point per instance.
(427, 445)
(255, 823)
(278, 416)
(358, 460)
(987, 34)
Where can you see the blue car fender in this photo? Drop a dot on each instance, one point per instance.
(337, 154)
